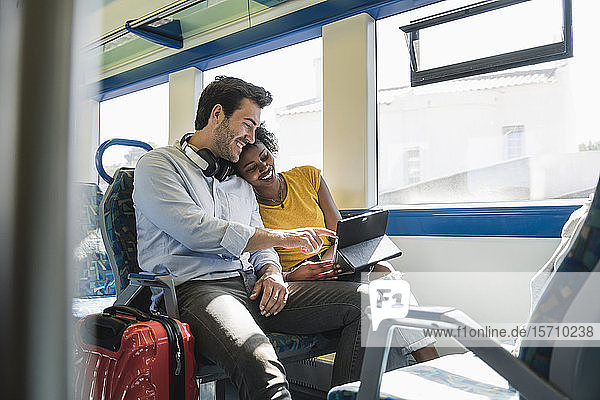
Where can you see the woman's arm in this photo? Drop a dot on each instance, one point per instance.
(323, 269)
(311, 271)
(330, 212)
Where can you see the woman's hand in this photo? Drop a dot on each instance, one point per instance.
(313, 271)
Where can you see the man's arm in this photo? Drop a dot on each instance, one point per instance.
(261, 257)
(262, 242)
(306, 238)
(270, 285)
(273, 288)
(161, 196)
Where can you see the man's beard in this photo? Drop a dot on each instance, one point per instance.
(224, 138)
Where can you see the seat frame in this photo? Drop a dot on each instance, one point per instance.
(513, 369)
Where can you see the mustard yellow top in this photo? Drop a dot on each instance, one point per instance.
(300, 208)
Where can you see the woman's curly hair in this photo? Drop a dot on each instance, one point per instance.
(267, 138)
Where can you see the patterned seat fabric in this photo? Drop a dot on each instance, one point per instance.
(95, 277)
(455, 376)
(119, 219)
(282, 342)
(560, 292)
(351, 393)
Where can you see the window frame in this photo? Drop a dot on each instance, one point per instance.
(499, 62)
(523, 219)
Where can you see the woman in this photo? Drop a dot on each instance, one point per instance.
(296, 198)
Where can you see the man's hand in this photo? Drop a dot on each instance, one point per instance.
(274, 291)
(312, 271)
(308, 239)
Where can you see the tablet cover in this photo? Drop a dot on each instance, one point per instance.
(369, 252)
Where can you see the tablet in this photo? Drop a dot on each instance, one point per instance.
(362, 242)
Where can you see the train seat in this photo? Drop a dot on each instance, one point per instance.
(132, 285)
(543, 370)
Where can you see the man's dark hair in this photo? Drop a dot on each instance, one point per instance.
(267, 138)
(229, 93)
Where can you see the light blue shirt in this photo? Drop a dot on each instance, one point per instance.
(192, 226)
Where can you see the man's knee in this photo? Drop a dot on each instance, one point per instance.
(258, 371)
(348, 301)
(256, 353)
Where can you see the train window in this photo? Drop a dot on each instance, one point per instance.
(293, 76)
(526, 133)
(486, 37)
(141, 115)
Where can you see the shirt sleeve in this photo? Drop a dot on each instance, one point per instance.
(260, 258)
(160, 195)
(313, 175)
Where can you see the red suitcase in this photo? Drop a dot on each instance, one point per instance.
(126, 354)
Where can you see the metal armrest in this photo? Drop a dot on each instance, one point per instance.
(514, 370)
(162, 281)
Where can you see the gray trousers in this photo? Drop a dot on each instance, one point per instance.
(229, 329)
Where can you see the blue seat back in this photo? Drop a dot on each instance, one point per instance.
(118, 227)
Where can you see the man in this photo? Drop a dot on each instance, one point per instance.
(208, 234)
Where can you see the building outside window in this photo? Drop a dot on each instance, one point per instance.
(293, 76)
(413, 165)
(471, 130)
(513, 141)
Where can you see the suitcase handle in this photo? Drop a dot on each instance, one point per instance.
(129, 311)
(103, 331)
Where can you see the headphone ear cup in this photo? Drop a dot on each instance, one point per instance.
(217, 167)
(211, 160)
(225, 169)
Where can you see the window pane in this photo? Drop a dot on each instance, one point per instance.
(527, 133)
(293, 76)
(496, 32)
(141, 115)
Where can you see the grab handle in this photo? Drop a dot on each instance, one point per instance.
(115, 142)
